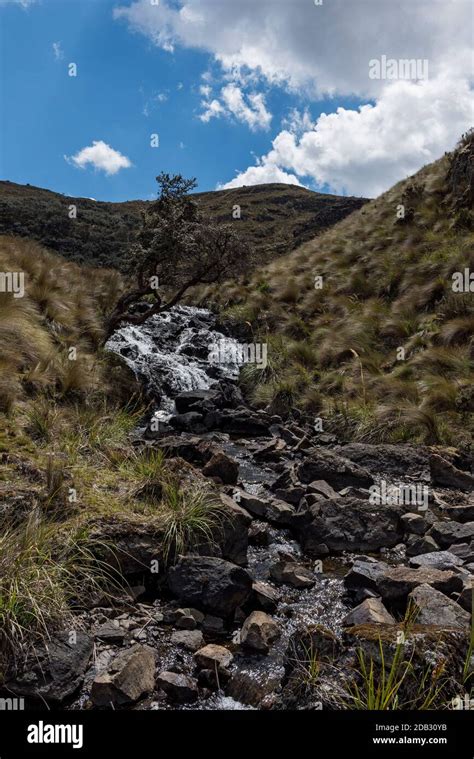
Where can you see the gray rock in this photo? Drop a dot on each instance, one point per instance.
(190, 639)
(434, 608)
(370, 611)
(398, 582)
(232, 534)
(213, 584)
(111, 633)
(448, 533)
(323, 488)
(437, 559)
(128, 677)
(259, 631)
(365, 573)
(179, 688)
(466, 596)
(350, 524)
(337, 471)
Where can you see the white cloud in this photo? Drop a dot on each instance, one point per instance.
(249, 109)
(325, 49)
(23, 3)
(366, 151)
(101, 156)
(58, 51)
(261, 174)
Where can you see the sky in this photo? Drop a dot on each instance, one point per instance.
(99, 96)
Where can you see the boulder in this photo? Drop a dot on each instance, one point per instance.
(55, 671)
(128, 677)
(179, 688)
(112, 633)
(434, 608)
(322, 488)
(192, 640)
(446, 475)
(222, 466)
(210, 583)
(337, 471)
(213, 657)
(259, 631)
(397, 460)
(466, 596)
(189, 422)
(370, 611)
(396, 583)
(351, 524)
(131, 544)
(448, 533)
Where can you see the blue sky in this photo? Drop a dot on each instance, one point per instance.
(226, 108)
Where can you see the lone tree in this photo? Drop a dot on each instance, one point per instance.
(176, 249)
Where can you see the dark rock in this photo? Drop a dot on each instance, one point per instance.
(259, 534)
(179, 688)
(54, 672)
(351, 525)
(445, 474)
(232, 534)
(213, 625)
(365, 573)
(336, 470)
(128, 677)
(264, 596)
(111, 633)
(397, 460)
(414, 523)
(189, 422)
(223, 467)
(322, 488)
(448, 533)
(212, 584)
(398, 582)
(417, 545)
(291, 573)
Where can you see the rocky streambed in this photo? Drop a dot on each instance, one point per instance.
(323, 549)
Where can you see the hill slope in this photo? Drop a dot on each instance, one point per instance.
(381, 345)
(275, 219)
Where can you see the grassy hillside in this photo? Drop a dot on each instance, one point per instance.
(386, 285)
(66, 462)
(274, 219)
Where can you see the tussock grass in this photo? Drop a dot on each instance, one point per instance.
(387, 286)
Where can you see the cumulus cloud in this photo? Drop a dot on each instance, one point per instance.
(325, 49)
(101, 156)
(325, 52)
(365, 151)
(264, 173)
(249, 109)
